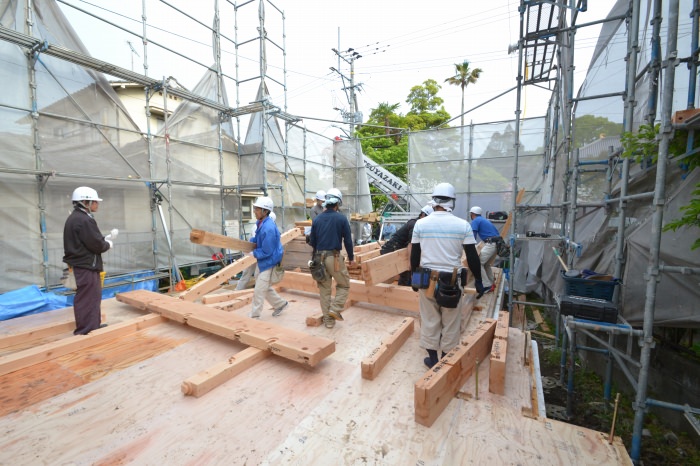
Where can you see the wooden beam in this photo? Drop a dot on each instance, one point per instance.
(540, 321)
(207, 380)
(497, 367)
(206, 238)
(434, 391)
(365, 256)
(37, 333)
(366, 247)
(287, 343)
(234, 304)
(399, 297)
(214, 282)
(382, 268)
(55, 349)
(509, 220)
(228, 296)
(373, 364)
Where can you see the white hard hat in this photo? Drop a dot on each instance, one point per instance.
(321, 195)
(84, 193)
(334, 196)
(476, 210)
(444, 190)
(273, 216)
(264, 202)
(427, 210)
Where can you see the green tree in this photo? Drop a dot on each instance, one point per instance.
(424, 99)
(383, 113)
(590, 128)
(464, 76)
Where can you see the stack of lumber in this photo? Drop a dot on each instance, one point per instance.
(297, 254)
(370, 217)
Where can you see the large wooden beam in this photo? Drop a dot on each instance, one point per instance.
(434, 391)
(287, 343)
(214, 282)
(37, 333)
(207, 380)
(399, 297)
(207, 238)
(55, 349)
(373, 364)
(384, 267)
(499, 350)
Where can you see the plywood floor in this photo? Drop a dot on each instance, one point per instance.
(121, 403)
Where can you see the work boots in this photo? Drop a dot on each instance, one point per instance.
(328, 321)
(432, 358)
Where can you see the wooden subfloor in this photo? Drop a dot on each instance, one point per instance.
(120, 402)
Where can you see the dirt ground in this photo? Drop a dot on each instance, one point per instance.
(662, 446)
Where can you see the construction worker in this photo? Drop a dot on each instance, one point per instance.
(318, 206)
(402, 239)
(485, 231)
(250, 271)
(330, 231)
(268, 251)
(437, 244)
(83, 245)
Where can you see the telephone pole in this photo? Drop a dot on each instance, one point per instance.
(353, 116)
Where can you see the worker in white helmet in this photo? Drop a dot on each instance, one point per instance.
(437, 245)
(83, 245)
(318, 206)
(248, 273)
(402, 239)
(268, 252)
(331, 230)
(485, 231)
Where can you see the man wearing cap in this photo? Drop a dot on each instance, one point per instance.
(331, 230)
(318, 206)
(485, 231)
(437, 244)
(248, 273)
(83, 245)
(268, 251)
(402, 239)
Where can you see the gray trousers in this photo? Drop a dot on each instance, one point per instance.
(87, 301)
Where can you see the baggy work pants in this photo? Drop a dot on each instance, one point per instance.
(487, 256)
(87, 301)
(264, 291)
(342, 284)
(439, 326)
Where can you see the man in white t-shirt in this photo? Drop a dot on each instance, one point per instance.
(437, 244)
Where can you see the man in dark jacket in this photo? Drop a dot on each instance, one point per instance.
(83, 246)
(401, 239)
(330, 231)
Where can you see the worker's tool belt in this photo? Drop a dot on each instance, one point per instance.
(494, 240)
(317, 265)
(448, 291)
(68, 279)
(502, 248)
(420, 279)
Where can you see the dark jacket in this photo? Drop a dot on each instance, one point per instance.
(401, 238)
(83, 244)
(330, 231)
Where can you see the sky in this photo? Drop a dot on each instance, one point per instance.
(401, 44)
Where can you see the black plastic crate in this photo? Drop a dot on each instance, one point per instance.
(599, 310)
(599, 289)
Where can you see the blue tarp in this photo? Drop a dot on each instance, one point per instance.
(31, 300)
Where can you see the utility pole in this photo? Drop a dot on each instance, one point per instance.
(352, 116)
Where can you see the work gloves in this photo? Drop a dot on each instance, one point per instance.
(111, 237)
(480, 290)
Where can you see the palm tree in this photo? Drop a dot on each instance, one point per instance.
(383, 111)
(462, 78)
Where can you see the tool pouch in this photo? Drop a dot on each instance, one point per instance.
(446, 293)
(420, 279)
(502, 248)
(463, 277)
(68, 279)
(317, 267)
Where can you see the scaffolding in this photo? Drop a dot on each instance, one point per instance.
(547, 31)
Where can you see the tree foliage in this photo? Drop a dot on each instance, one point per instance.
(590, 128)
(423, 98)
(464, 75)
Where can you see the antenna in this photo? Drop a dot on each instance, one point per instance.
(133, 52)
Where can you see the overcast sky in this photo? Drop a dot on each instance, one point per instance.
(401, 44)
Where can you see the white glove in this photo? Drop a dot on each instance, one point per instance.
(114, 233)
(111, 244)
(250, 254)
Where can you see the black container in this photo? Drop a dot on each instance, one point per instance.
(595, 309)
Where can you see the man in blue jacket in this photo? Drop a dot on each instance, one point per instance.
(331, 230)
(485, 231)
(268, 251)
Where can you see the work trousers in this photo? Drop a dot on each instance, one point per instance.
(487, 256)
(342, 285)
(264, 291)
(439, 326)
(245, 277)
(87, 300)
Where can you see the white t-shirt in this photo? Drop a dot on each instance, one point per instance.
(441, 236)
